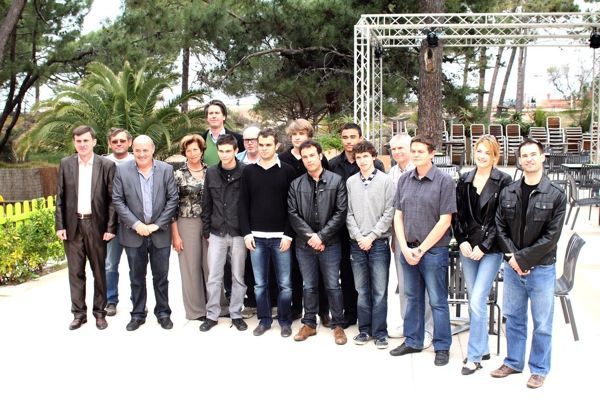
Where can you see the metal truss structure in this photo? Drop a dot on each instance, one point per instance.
(375, 32)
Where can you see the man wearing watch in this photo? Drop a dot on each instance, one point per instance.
(425, 200)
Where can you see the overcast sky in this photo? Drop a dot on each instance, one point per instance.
(538, 59)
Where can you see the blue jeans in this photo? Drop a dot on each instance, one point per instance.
(138, 265)
(328, 262)
(114, 250)
(479, 276)
(371, 271)
(282, 262)
(429, 274)
(537, 288)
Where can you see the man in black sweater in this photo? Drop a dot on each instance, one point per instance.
(267, 231)
(345, 166)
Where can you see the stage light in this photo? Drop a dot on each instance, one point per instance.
(432, 39)
(378, 52)
(595, 39)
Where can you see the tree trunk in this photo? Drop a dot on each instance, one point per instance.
(465, 82)
(521, 80)
(511, 61)
(9, 23)
(430, 122)
(493, 84)
(482, 68)
(185, 76)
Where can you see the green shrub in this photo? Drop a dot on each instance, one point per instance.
(26, 248)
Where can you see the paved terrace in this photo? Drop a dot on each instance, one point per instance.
(41, 358)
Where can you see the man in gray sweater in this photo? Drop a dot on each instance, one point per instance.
(369, 222)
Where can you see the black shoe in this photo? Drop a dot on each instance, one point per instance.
(207, 325)
(286, 331)
(441, 357)
(349, 320)
(101, 323)
(77, 322)
(239, 324)
(134, 324)
(201, 319)
(260, 329)
(467, 370)
(165, 322)
(403, 349)
(111, 310)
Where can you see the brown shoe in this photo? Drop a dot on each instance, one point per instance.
(339, 335)
(535, 381)
(304, 333)
(101, 323)
(503, 372)
(77, 322)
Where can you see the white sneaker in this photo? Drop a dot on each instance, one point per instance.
(396, 332)
(427, 340)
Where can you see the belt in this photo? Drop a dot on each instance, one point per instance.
(414, 244)
(84, 216)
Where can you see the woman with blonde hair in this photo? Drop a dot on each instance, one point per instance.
(474, 227)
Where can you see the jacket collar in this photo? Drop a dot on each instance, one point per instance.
(543, 186)
(491, 187)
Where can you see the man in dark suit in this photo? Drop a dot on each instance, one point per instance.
(85, 220)
(216, 114)
(145, 198)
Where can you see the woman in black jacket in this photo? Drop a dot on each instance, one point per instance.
(474, 227)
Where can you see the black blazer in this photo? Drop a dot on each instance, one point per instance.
(237, 136)
(104, 216)
(464, 223)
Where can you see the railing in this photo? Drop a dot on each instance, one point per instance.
(21, 211)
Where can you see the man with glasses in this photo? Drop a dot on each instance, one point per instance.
(119, 141)
(250, 138)
(529, 221)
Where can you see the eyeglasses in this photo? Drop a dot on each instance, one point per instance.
(115, 141)
(251, 140)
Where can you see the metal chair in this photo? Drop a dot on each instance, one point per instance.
(540, 134)
(574, 139)
(513, 140)
(576, 202)
(565, 283)
(457, 134)
(477, 131)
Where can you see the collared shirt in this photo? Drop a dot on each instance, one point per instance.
(396, 172)
(84, 190)
(277, 161)
(211, 135)
(368, 179)
(147, 185)
(243, 157)
(423, 201)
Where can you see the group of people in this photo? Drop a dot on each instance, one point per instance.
(314, 237)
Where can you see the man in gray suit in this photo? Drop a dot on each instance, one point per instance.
(145, 198)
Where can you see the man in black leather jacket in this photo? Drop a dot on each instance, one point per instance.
(529, 221)
(317, 205)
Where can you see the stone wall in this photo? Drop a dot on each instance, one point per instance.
(26, 184)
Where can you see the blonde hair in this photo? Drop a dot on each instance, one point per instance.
(300, 125)
(491, 143)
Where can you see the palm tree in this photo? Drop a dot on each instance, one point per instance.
(131, 99)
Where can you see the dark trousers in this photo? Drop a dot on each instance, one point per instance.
(138, 265)
(86, 245)
(347, 279)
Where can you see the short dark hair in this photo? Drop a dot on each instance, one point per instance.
(351, 125)
(267, 132)
(82, 130)
(217, 103)
(112, 132)
(527, 141)
(364, 147)
(227, 139)
(427, 140)
(310, 143)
